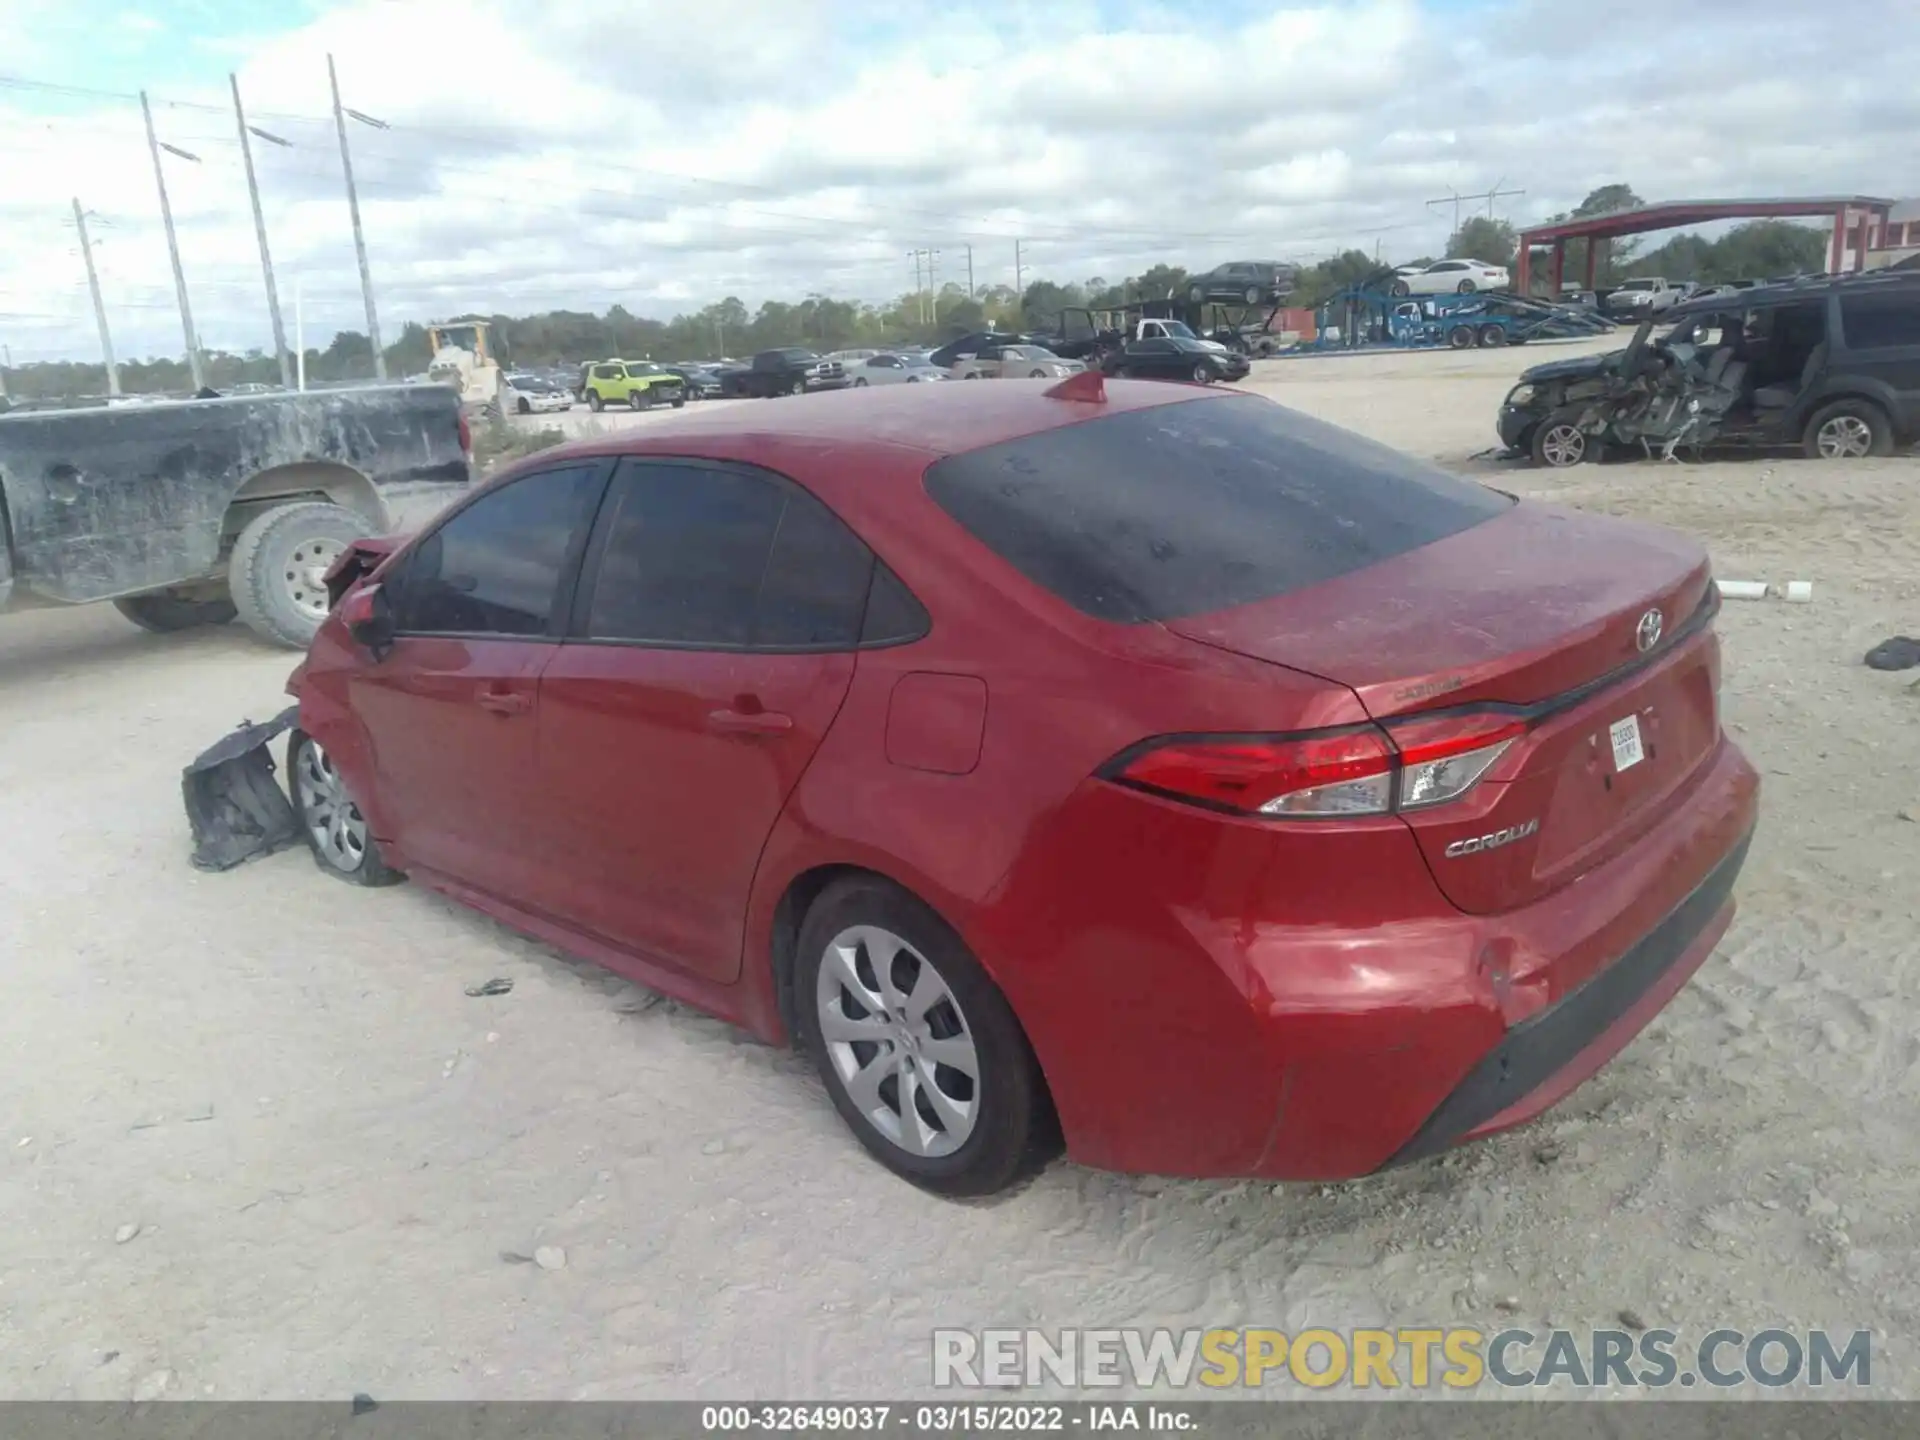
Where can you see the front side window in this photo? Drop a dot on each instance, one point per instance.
(497, 566)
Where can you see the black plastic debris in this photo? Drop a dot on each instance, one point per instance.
(236, 807)
(1899, 652)
(364, 1403)
(495, 986)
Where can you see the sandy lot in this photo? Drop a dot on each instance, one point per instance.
(330, 1152)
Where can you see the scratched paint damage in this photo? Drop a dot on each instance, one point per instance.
(107, 502)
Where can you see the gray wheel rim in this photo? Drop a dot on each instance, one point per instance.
(898, 1041)
(1563, 445)
(338, 828)
(1845, 437)
(305, 575)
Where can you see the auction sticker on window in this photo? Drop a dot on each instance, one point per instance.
(1626, 743)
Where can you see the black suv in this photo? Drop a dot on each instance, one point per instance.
(1244, 282)
(1830, 364)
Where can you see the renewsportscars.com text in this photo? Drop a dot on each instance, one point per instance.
(1455, 1358)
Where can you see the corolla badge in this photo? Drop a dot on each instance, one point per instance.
(1479, 844)
(1647, 634)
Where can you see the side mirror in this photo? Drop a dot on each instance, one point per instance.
(368, 616)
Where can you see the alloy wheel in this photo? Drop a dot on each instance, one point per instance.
(338, 829)
(1563, 445)
(898, 1041)
(1845, 437)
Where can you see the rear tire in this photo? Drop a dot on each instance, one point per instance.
(168, 611)
(330, 820)
(1493, 336)
(1253, 295)
(278, 561)
(1401, 287)
(986, 1128)
(1848, 430)
(680, 401)
(860, 383)
(1461, 337)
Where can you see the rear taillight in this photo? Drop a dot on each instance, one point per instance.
(1443, 758)
(1356, 770)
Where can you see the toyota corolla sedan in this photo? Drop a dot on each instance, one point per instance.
(1145, 769)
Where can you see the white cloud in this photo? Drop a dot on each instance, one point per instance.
(540, 157)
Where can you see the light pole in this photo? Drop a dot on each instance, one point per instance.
(194, 366)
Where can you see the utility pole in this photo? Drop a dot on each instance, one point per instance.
(1456, 200)
(970, 270)
(1019, 289)
(99, 306)
(194, 367)
(260, 232)
(359, 238)
(300, 334)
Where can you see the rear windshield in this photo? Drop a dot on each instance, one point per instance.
(1182, 509)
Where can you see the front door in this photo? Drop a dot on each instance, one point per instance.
(450, 712)
(710, 649)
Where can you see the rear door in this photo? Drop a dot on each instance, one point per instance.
(711, 645)
(1882, 335)
(449, 714)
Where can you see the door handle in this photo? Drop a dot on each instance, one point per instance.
(506, 702)
(741, 722)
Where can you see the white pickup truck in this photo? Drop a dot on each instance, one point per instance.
(1646, 295)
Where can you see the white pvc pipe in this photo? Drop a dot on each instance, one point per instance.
(1800, 591)
(1743, 589)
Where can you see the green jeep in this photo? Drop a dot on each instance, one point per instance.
(636, 384)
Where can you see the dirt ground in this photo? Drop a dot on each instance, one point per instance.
(335, 1159)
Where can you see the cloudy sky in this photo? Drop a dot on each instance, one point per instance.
(662, 154)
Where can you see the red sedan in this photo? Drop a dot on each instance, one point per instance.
(1146, 767)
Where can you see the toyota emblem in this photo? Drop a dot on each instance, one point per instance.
(1647, 634)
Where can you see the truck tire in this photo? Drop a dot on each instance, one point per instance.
(168, 610)
(799, 387)
(278, 561)
(1461, 337)
(1493, 336)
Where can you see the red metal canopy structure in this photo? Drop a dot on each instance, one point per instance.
(1857, 221)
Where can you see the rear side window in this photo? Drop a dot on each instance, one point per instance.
(1881, 322)
(1187, 508)
(708, 558)
(497, 566)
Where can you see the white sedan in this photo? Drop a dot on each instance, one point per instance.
(1450, 277)
(889, 369)
(535, 395)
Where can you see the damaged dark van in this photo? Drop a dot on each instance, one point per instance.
(1829, 365)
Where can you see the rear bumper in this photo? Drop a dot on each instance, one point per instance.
(1547, 1055)
(1240, 999)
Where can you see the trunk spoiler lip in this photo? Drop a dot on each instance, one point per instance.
(1534, 712)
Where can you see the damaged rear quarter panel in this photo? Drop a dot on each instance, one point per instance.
(107, 502)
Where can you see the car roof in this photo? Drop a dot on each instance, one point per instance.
(840, 439)
(1813, 287)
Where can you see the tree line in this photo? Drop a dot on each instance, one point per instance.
(728, 328)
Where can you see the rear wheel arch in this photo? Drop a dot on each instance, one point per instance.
(328, 480)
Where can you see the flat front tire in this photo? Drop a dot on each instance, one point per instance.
(277, 573)
(919, 1050)
(1558, 444)
(330, 820)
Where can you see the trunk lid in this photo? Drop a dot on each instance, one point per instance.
(1537, 612)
